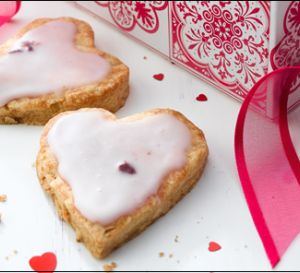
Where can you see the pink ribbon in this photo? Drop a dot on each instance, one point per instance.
(8, 9)
(267, 162)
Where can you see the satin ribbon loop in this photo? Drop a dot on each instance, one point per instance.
(267, 162)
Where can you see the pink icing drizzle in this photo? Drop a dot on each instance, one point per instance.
(90, 161)
(46, 60)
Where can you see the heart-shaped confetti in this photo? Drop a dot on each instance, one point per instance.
(201, 97)
(45, 262)
(159, 77)
(213, 246)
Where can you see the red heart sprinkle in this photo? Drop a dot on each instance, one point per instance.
(213, 246)
(45, 262)
(201, 97)
(159, 76)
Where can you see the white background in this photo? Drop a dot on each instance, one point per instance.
(214, 211)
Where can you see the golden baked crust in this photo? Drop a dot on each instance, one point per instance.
(109, 93)
(102, 240)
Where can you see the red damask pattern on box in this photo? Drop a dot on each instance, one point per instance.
(225, 41)
(287, 51)
(128, 14)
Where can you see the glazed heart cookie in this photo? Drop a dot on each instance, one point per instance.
(51, 66)
(111, 178)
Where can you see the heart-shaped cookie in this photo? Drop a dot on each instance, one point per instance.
(110, 178)
(52, 66)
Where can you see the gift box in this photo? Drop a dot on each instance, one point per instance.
(230, 44)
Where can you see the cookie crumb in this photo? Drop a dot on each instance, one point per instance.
(145, 58)
(11, 255)
(171, 255)
(109, 267)
(176, 239)
(3, 197)
(161, 254)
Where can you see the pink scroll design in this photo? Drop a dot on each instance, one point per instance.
(225, 42)
(127, 14)
(8, 9)
(287, 51)
(268, 165)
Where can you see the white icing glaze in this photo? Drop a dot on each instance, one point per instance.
(54, 64)
(90, 148)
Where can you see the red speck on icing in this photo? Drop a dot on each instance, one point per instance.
(213, 246)
(29, 45)
(127, 168)
(159, 77)
(26, 46)
(201, 97)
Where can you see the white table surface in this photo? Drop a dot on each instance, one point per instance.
(214, 211)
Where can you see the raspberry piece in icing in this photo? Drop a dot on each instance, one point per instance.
(127, 168)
